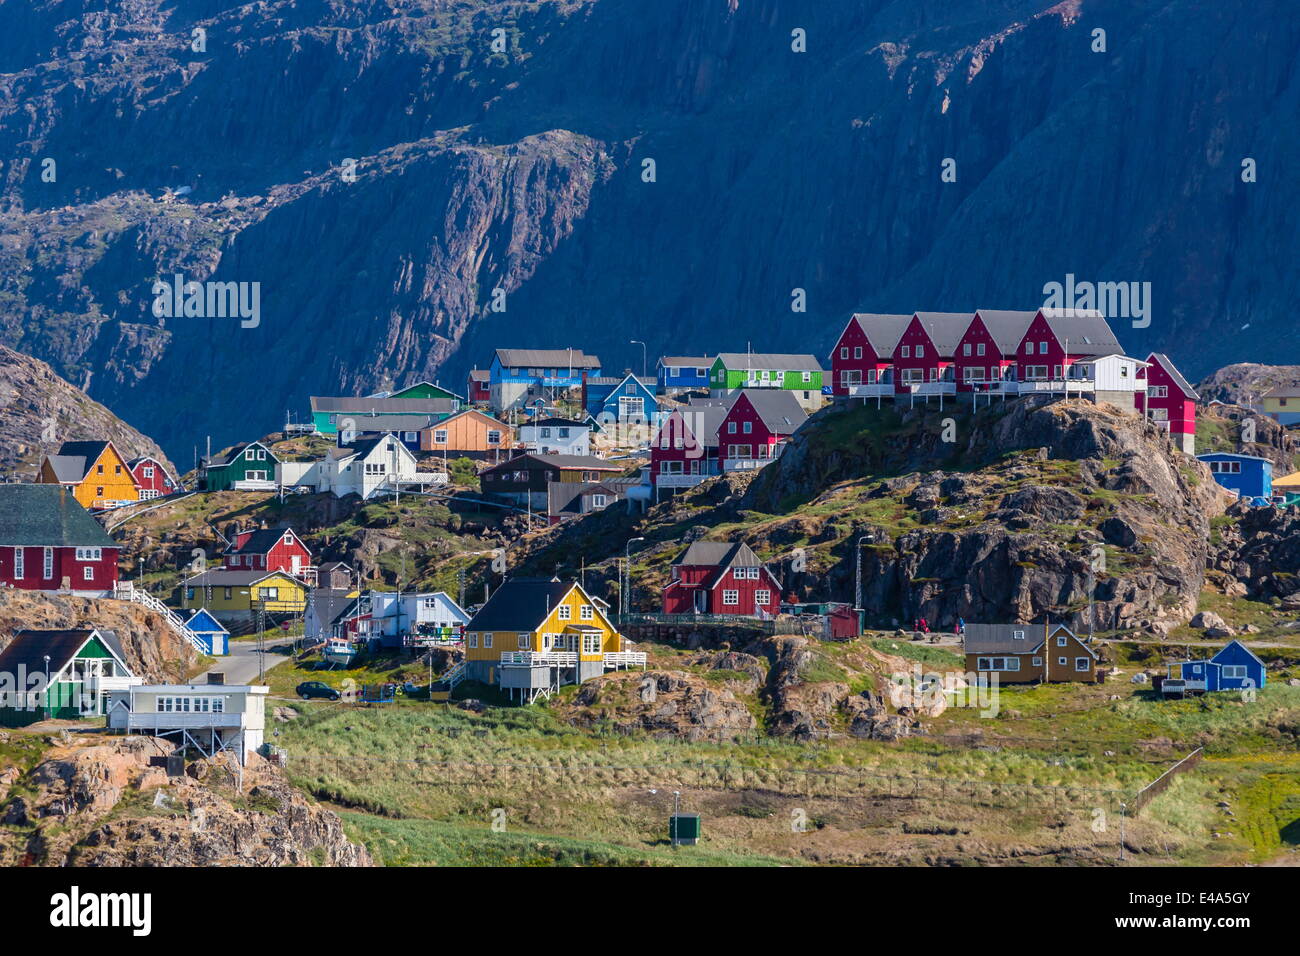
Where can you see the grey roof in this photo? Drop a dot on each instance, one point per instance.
(719, 554)
(260, 541)
(230, 577)
(519, 604)
(67, 468)
(945, 328)
(365, 405)
(1082, 331)
(562, 496)
(29, 648)
(329, 604)
(479, 374)
(1001, 639)
(882, 329)
(47, 516)
(1006, 326)
(548, 358)
(777, 408)
(363, 445)
(555, 423)
(393, 423)
(703, 419)
(1282, 391)
(687, 361)
(785, 362)
(563, 461)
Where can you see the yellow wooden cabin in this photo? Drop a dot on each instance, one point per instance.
(97, 474)
(534, 635)
(238, 595)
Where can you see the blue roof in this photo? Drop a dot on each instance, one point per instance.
(1231, 454)
(201, 622)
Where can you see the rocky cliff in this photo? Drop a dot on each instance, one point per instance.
(104, 801)
(39, 411)
(670, 172)
(152, 649)
(1245, 383)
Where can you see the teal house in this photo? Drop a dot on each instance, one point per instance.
(246, 467)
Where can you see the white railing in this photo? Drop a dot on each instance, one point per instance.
(254, 484)
(538, 658)
(876, 390)
(455, 675)
(931, 388)
(150, 721)
(680, 480)
(620, 659)
(127, 591)
(746, 464)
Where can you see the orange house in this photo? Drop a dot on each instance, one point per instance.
(94, 471)
(470, 434)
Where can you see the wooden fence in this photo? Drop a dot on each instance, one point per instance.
(1161, 783)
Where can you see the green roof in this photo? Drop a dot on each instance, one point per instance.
(47, 516)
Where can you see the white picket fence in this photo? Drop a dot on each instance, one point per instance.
(127, 591)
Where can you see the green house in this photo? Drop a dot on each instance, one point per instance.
(732, 370)
(427, 390)
(83, 667)
(246, 467)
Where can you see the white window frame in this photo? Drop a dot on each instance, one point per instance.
(730, 597)
(762, 597)
(1081, 663)
(586, 612)
(565, 612)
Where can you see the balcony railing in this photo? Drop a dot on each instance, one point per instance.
(538, 658)
(681, 480)
(121, 719)
(875, 390)
(746, 464)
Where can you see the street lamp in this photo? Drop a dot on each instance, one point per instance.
(47, 688)
(857, 577)
(627, 573)
(643, 358)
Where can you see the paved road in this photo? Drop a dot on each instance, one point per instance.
(244, 662)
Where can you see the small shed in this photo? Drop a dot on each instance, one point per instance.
(215, 638)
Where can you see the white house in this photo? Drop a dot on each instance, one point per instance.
(209, 717)
(298, 474)
(556, 436)
(415, 619)
(370, 465)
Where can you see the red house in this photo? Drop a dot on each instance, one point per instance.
(152, 477)
(719, 577)
(269, 549)
(685, 450)
(1057, 338)
(49, 542)
(478, 387)
(865, 349)
(987, 349)
(925, 349)
(755, 427)
(1169, 400)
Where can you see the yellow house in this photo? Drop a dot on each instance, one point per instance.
(237, 595)
(1282, 404)
(533, 635)
(97, 474)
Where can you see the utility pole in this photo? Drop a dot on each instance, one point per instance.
(643, 354)
(624, 603)
(857, 576)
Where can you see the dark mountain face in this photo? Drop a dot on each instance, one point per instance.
(525, 171)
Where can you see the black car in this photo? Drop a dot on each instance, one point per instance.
(314, 688)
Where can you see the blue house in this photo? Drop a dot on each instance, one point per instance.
(683, 372)
(626, 399)
(215, 638)
(518, 377)
(1235, 667)
(1248, 475)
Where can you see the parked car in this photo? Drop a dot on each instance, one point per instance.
(314, 688)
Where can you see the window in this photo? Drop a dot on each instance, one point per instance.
(920, 351)
(997, 664)
(670, 467)
(20, 568)
(473, 640)
(972, 374)
(1029, 348)
(230, 593)
(731, 428)
(1038, 662)
(147, 471)
(376, 468)
(87, 574)
(857, 353)
(408, 436)
(189, 594)
(440, 436)
(566, 612)
(48, 571)
(524, 642)
(807, 376)
(762, 597)
(730, 598)
(591, 643)
(748, 427)
(844, 352)
(99, 491)
(586, 613)
(1042, 348)
(1234, 671)
(598, 501)
(1017, 635)
(1081, 663)
(965, 349)
(1062, 661)
(906, 351)
(487, 640)
(117, 469)
(494, 438)
(1158, 391)
(1060, 640)
(913, 376)
(270, 594)
(99, 469)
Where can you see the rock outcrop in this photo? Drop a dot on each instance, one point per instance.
(153, 650)
(661, 704)
(105, 802)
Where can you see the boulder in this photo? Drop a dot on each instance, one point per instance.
(1207, 619)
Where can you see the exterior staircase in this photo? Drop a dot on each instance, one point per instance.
(127, 591)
